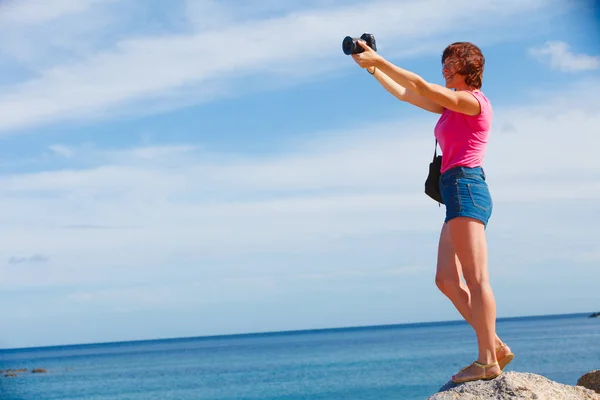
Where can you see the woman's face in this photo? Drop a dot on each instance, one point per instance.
(452, 78)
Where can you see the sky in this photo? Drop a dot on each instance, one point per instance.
(199, 167)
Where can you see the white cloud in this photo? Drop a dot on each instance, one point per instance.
(63, 151)
(146, 68)
(28, 259)
(34, 36)
(37, 11)
(559, 56)
(207, 15)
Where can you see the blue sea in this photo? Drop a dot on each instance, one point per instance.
(402, 362)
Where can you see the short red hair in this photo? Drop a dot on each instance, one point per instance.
(469, 60)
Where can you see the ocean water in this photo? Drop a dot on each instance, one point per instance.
(404, 362)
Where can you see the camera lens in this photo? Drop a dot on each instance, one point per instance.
(348, 45)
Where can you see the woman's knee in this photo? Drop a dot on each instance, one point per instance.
(447, 285)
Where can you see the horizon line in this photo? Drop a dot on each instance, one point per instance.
(287, 332)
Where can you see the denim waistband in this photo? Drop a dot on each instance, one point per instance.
(459, 172)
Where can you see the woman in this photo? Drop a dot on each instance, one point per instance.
(462, 132)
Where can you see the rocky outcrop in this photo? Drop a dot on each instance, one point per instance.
(591, 380)
(514, 386)
(11, 373)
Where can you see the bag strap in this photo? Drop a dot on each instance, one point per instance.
(435, 149)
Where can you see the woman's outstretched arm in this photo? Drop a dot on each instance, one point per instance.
(401, 93)
(458, 101)
(454, 100)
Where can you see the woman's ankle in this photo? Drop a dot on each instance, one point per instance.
(487, 358)
(499, 343)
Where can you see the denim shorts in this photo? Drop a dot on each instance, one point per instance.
(466, 194)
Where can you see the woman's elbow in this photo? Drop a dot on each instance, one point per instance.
(399, 94)
(396, 92)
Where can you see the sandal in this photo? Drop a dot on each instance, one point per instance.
(483, 376)
(504, 361)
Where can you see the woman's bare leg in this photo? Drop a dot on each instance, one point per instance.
(469, 243)
(448, 278)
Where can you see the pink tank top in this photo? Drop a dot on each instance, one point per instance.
(463, 138)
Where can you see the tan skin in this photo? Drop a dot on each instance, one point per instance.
(462, 249)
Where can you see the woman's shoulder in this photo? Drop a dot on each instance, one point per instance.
(484, 101)
(479, 95)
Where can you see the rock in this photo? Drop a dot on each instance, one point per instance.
(594, 315)
(591, 380)
(9, 373)
(514, 386)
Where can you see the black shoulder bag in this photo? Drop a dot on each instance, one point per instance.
(431, 183)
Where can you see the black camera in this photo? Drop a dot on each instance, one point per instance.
(350, 45)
